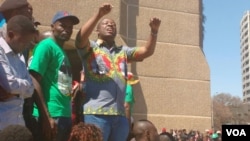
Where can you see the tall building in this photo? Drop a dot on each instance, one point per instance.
(174, 88)
(245, 58)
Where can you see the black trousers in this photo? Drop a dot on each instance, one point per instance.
(30, 121)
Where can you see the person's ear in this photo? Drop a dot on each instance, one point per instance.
(147, 133)
(11, 34)
(97, 31)
(52, 26)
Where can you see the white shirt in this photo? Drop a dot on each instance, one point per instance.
(14, 78)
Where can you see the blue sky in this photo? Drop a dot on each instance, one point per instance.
(222, 44)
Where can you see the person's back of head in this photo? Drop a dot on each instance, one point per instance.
(44, 35)
(16, 133)
(85, 132)
(10, 8)
(21, 24)
(165, 136)
(144, 130)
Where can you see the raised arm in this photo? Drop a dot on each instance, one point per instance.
(148, 50)
(89, 26)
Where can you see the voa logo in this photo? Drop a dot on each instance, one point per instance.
(236, 132)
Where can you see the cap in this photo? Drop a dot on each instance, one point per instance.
(131, 79)
(218, 132)
(64, 14)
(163, 130)
(12, 4)
(211, 131)
(214, 136)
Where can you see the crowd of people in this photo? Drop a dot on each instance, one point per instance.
(37, 90)
(191, 135)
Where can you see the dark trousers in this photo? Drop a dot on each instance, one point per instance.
(30, 122)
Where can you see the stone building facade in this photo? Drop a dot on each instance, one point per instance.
(174, 88)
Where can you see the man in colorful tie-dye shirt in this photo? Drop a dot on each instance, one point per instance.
(104, 65)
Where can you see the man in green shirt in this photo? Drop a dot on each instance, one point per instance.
(50, 66)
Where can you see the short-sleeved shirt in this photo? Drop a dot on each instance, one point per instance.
(129, 98)
(105, 80)
(51, 62)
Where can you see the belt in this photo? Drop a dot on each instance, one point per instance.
(4, 97)
(16, 95)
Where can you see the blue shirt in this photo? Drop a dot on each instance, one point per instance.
(3, 26)
(2, 20)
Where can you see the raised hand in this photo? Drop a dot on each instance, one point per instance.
(154, 24)
(105, 9)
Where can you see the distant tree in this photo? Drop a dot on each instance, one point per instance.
(228, 109)
(221, 113)
(224, 98)
(240, 112)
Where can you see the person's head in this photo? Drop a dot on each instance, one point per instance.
(163, 130)
(210, 132)
(106, 30)
(10, 8)
(145, 130)
(44, 35)
(20, 32)
(218, 132)
(165, 136)
(85, 132)
(131, 79)
(16, 133)
(215, 136)
(171, 131)
(62, 25)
